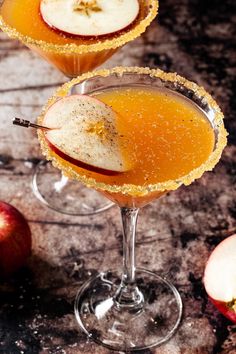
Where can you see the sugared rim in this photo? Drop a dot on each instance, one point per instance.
(131, 189)
(112, 43)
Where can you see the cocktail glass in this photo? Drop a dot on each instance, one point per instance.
(49, 185)
(136, 309)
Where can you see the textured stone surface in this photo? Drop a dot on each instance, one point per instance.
(194, 38)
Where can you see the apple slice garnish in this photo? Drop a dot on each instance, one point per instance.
(84, 133)
(89, 17)
(220, 277)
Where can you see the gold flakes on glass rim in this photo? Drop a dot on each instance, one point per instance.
(73, 48)
(131, 189)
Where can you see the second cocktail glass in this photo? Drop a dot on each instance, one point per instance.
(181, 127)
(72, 56)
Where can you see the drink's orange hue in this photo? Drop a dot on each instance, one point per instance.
(165, 136)
(25, 17)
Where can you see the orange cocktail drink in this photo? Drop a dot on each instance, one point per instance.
(147, 132)
(75, 36)
(167, 136)
(164, 134)
(72, 54)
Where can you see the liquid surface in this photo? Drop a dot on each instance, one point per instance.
(165, 135)
(25, 17)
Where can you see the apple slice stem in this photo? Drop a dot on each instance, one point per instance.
(26, 124)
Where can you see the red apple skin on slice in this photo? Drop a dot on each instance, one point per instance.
(220, 277)
(79, 163)
(99, 19)
(15, 239)
(84, 133)
(224, 309)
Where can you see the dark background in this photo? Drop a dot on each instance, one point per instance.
(196, 39)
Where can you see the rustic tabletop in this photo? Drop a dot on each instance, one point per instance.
(175, 234)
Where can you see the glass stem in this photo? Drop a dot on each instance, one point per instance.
(128, 295)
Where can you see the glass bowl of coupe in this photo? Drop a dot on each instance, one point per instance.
(148, 132)
(75, 36)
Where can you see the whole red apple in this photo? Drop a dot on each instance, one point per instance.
(220, 276)
(15, 239)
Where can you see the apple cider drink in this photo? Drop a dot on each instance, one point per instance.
(129, 135)
(136, 134)
(76, 35)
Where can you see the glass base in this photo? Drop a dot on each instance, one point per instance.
(123, 328)
(66, 196)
